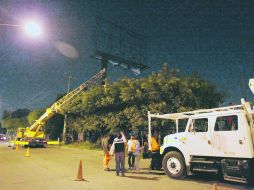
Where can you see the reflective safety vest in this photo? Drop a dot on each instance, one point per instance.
(133, 146)
(154, 145)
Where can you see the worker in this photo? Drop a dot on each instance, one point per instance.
(106, 146)
(119, 150)
(131, 157)
(146, 150)
(154, 144)
(136, 149)
(155, 149)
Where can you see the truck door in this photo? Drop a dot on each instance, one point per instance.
(198, 138)
(230, 138)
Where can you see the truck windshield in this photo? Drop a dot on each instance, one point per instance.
(199, 125)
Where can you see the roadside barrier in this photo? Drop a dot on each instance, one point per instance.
(80, 173)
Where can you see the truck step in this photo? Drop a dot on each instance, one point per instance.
(205, 170)
(235, 179)
(202, 161)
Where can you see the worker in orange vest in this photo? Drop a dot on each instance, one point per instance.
(106, 147)
(156, 161)
(154, 144)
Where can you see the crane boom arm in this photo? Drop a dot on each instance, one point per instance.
(56, 107)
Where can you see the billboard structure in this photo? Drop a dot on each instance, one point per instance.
(119, 46)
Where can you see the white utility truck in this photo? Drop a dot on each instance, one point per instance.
(219, 140)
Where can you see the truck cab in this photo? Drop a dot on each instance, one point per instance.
(20, 133)
(218, 140)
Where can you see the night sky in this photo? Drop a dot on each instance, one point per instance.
(213, 38)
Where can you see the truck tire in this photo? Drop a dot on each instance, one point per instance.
(174, 165)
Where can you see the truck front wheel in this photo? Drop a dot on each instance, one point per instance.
(174, 165)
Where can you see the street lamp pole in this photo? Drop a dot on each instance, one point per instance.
(69, 77)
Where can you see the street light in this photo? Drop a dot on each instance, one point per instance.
(31, 28)
(34, 29)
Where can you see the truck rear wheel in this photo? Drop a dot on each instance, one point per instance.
(174, 165)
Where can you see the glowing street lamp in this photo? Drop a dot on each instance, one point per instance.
(34, 30)
(31, 28)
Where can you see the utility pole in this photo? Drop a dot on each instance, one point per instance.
(69, 77)
(243, 86)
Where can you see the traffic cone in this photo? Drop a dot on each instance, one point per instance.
(80, 173)
(17, 147)
(27, 152)
(215, 187)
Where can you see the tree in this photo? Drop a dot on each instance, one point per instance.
(54, 127)
(12, 124)
(2, 130)
(6, 114)
(15, 119)
(124, 104)
(19, 113)
(22, 118)
(34, 115)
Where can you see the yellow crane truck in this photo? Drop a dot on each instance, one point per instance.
(34, 136)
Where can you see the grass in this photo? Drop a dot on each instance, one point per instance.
(84, 145)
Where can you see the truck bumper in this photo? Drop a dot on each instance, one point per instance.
(37, 143)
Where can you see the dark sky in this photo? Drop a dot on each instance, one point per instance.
(214, 38)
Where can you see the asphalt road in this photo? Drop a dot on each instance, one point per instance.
(56, 168)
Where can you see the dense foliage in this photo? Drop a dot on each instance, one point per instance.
(14, 119)
(24, 118)
(124, 104)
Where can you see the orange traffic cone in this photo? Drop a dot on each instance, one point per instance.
(17, 147)
(80, 173)
(27, 152)
(215, 187)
